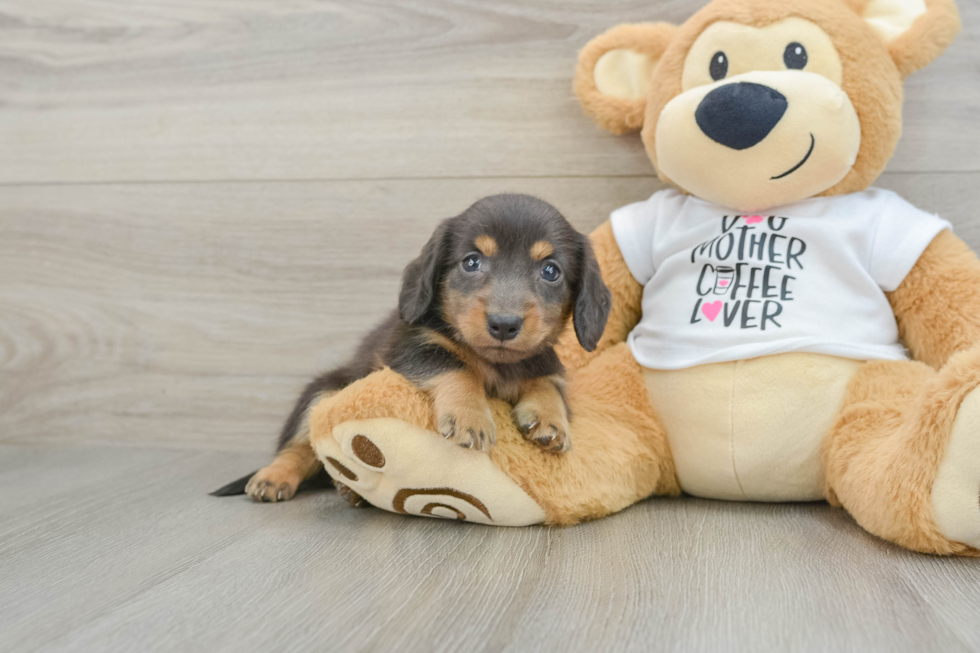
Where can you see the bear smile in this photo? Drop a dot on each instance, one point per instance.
(813, 143)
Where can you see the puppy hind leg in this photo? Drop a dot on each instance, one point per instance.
(295, 460)
(278, 481)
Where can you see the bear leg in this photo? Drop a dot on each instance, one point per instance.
(904, 454)
(377, 438)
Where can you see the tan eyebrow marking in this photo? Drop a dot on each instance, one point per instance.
(487, 245)
(541, 249)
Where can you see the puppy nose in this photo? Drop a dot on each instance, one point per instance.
(740, 115)
(504, 327)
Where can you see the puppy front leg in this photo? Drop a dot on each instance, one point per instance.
(462, 410)
(541, 413)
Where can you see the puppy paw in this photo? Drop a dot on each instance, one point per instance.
(271, 484)
(469, 426)
(546, 426)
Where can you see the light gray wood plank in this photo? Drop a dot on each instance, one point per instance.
(169, 90)
(192, 314)
(952, 592)
(97, 526)
(146, 561)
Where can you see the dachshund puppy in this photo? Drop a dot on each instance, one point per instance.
(478, 315)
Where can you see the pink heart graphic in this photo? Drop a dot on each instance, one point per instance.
(753, 219)
(711, 310)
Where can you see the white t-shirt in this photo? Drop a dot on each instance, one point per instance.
(808, 277)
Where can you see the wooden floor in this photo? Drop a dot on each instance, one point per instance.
(204, 203)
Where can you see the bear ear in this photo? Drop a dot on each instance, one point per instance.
(614, 72)
(915, 31)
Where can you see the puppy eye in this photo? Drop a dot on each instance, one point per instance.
(719, 66)
(550, 272)
(795, 56)
(472, 263)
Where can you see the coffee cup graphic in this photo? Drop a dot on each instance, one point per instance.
(724, 276)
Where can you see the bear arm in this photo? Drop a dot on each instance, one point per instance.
(627, 294)
(937, 306)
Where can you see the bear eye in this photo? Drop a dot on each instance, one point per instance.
(719, 66)
(550, 272)
(472, 263)
(795, 56)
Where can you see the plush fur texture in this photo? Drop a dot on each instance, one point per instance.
(938, 304)
(882, 454)
(928, 37)
(615, 114)
(888, 441)
(872, 74)
(620, 454)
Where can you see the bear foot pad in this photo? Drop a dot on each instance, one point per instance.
(956, 489)
(402, 468)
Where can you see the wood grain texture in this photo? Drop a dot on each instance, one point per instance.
(168, 90)
(192, 314)
(136, 557)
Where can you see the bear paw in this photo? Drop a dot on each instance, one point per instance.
(405, 469)
(956, 488)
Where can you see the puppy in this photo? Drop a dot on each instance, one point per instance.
(478, 316)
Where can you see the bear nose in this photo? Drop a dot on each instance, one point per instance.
(504, 327)
(740, 115)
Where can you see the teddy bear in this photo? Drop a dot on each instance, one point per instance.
(780, 330)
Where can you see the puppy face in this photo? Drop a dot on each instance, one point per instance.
(505, 276)
(507, 289)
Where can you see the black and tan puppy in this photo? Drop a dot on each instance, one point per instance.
(479, 313)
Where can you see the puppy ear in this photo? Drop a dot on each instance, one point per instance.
(592, 299)
(612, 80)
(420, 281)
(915, 31)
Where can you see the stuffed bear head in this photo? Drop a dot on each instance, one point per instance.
(753, 104)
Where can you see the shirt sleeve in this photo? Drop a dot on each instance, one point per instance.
(634, 226)
(903, 233)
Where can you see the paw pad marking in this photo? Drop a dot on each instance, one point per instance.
(343, 471)
(367, 452)
(403, 495)
(422, 474)
(427, 510)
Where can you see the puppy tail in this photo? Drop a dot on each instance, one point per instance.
(235, 487)
(320, 480)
